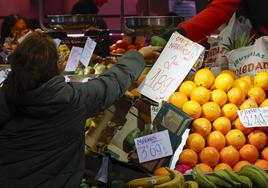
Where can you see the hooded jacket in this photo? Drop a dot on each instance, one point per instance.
(42, 133)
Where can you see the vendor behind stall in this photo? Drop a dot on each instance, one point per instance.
(42, 117)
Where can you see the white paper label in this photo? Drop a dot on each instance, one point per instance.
(57, 42)
(254, 117)
(170, 69)
(73, 59)
(153, 146)
(3, 76)
(87, 51)
(154, 111)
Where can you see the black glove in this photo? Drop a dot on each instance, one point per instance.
(167, 34)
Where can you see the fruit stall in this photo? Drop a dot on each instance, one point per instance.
(197, 118)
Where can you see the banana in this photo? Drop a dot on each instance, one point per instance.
(243, 180)
(255, 175)
(265, 175)
(224, 175)
(149, 181)
(201, 179)
(176, 182)
(247, 183)
(191, 184)
(220, 182)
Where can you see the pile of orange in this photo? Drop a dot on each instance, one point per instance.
(218, 139)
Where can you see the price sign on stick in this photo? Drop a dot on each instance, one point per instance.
(254, 117)
(153, 146)
(73, 60)
(87, 51)
(170, 69)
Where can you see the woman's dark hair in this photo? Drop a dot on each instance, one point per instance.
(33, 63)
(7, 25)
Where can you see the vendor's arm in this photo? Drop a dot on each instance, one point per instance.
(208, 20)
(102, 92)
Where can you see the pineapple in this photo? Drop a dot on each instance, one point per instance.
(239, 41)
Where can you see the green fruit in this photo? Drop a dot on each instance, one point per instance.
(219, 181)
(244, 181)
(158, 41)
(201, 179)
(224, 175)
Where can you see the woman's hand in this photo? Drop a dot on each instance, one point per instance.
(150, 53)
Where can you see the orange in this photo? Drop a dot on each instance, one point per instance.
(229, 110)
(140, 79)
(188, 157)
(249, 153)
(224, 81)
(195, 142)
(263, 164)
(178, 99)
(187, 88)
(248, 79)
(162, 171)
(222, 166)
(231, 73)
(235, 138)
(192, 108)
(257, 94)
(202, 126)
(239, 165)
(211, 111)
(204, 167)
(261, 80)
(204, 77)
(264, 153)
(229, 155)
(236, 95)
(222, 124)
(216, 139)
(218, 96)
(257, 138)
(263, 129)
(240, 126)
(249, 103)
(200, 94)
(242, 84)
(264, 103)
(209, 156)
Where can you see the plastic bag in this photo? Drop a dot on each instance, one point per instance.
(216, 58)
(249, 60)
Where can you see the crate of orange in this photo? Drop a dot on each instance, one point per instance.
(218, 140)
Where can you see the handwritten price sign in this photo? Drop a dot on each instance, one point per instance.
(153, 146)
(170, 69)
(254, 117)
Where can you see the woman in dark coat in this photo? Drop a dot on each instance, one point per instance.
(42, 116)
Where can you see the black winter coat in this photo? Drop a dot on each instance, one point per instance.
(42, 133)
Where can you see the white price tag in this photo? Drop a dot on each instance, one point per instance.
(170, 69)
(87, 51)
(73, 60)
(254, 117)
(3, 76)
(154, 111)
(153, 146)
(57, 42)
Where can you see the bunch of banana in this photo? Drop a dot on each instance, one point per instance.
(90, 123)
(174, 180)
(202, 179)
(191, 184)
(255, 174)
(222, 179)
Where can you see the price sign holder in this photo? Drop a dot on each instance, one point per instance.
(254, 117)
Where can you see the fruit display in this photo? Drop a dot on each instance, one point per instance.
(121, 47)
(218, 140)
(248, 176)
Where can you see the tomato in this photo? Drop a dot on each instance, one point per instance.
(112, 47)
(131, 47)
(120, 51)
(121, 44)
(139, 46)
